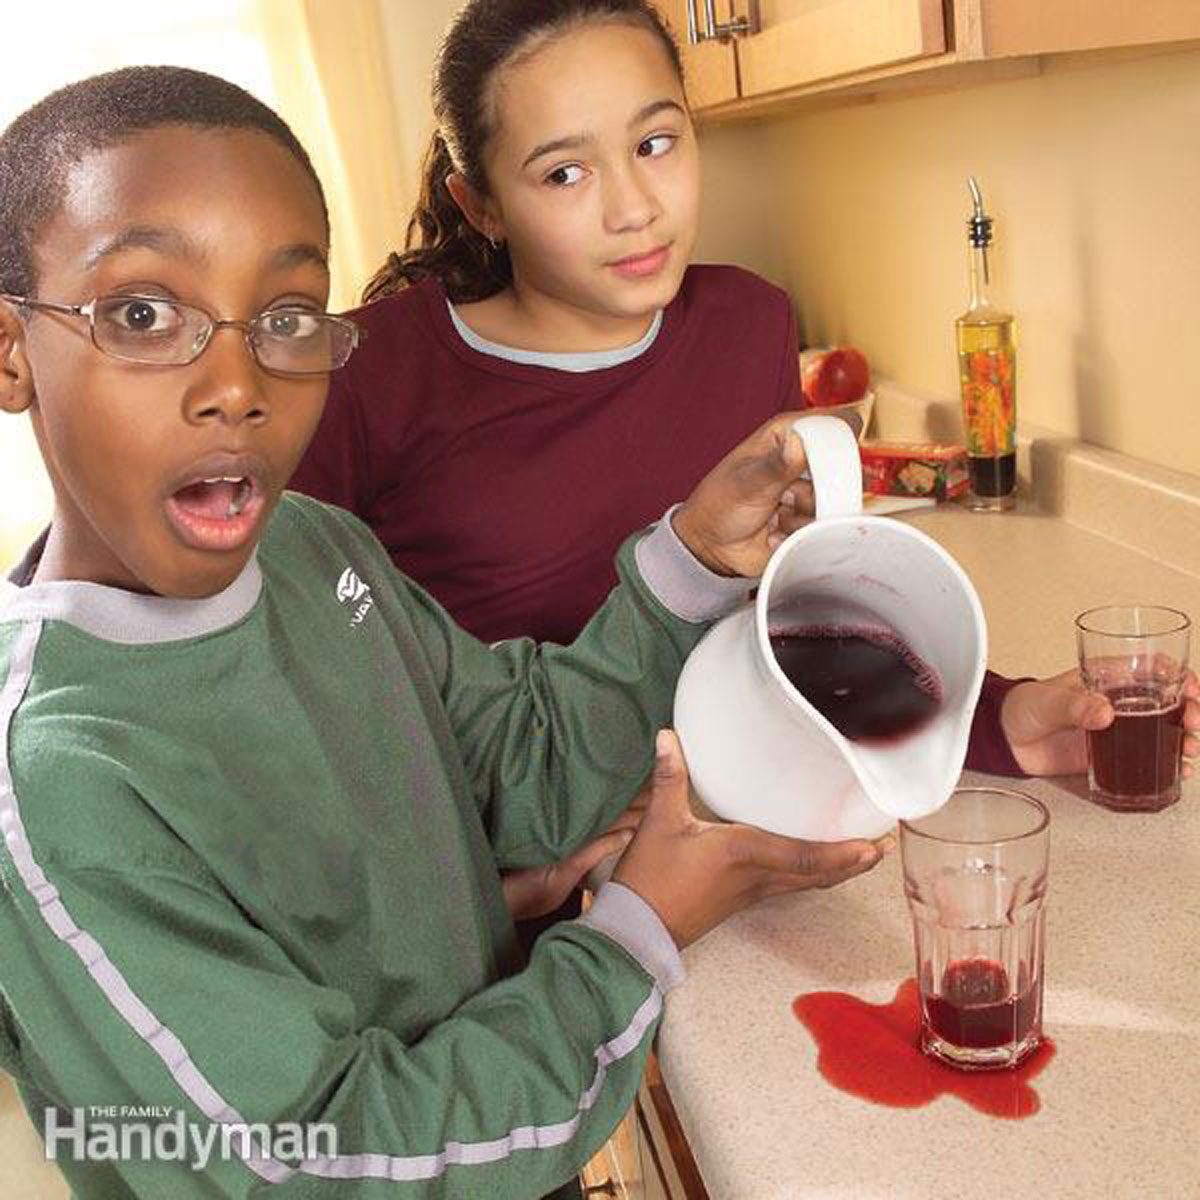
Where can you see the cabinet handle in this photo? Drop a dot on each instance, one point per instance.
(607, 1188)
(713, 30)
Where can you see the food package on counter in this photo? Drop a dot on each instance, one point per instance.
(934, 469)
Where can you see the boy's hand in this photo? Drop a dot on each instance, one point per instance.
(694, 873)
(745, 506)
(1046, 720)
(535, 891)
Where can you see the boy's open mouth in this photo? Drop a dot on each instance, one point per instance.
(215, 499)
(217, 512)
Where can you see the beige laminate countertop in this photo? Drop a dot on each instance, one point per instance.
(1119, 1109)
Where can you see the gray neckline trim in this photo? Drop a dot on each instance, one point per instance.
(589, 360)
(131, 618)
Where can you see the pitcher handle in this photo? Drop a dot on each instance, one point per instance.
(833, 465)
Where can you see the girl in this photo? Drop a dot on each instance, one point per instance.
(545, 371)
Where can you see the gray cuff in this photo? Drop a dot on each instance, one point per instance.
(621, 914)
(680, 582)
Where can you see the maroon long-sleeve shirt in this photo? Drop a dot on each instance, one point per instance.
(505, 488)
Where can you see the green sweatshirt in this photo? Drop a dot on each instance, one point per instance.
(250, 875)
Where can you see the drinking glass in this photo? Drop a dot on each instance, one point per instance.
(975, 876)
(1137, 656)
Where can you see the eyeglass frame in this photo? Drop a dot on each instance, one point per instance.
(357, 333)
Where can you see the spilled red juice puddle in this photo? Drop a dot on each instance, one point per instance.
(872, 1051)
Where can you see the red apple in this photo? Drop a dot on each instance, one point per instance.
(837, 376)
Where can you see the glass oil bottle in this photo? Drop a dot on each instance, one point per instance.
(987, 373)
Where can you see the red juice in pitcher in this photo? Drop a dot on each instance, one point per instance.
(865, 682)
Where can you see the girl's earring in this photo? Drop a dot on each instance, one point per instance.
(495, 242)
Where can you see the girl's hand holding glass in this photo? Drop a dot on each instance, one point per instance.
(1046, 722)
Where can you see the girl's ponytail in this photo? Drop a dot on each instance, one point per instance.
(440, 241)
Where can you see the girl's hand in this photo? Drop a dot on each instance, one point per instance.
(1046, 720)
(535, 891)
(695, 873)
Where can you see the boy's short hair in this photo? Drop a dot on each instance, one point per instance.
(43, 143)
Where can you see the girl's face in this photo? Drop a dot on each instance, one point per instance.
(594, 173)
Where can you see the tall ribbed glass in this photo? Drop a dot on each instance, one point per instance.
(975, 877)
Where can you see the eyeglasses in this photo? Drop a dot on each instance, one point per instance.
(154, 331)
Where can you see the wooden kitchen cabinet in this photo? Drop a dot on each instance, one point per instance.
(709, 67)
(616, 1169)
(669, 1170)
(805, 41)
(1010, 27)
(798, 49)
(647, 1157)
(795, 42)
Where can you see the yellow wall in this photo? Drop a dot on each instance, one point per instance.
(412, 33)
(1092, 172)
(738, 216)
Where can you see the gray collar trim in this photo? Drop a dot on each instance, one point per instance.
(590, 360)
(131, 618)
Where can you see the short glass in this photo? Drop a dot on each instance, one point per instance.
(975, 876)
(1137, 656)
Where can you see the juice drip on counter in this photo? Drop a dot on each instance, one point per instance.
(872, 1051)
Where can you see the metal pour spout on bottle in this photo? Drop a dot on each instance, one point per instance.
(987, 373)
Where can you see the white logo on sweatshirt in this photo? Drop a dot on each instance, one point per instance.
(351, 588)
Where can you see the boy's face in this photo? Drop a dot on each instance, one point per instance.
(224, 220)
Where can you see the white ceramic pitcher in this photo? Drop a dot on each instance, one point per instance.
(756, 749)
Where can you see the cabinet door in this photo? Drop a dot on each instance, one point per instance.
(803, 41)
(709, 67)
(1035, 27)
(652, 1161)
(616, 1170)
(668, 1169)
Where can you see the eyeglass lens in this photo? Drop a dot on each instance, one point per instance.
(158, 331)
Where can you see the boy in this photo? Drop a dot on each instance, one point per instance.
(254, 785)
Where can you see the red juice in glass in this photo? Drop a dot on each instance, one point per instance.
(977, 1007)
(1134, 763)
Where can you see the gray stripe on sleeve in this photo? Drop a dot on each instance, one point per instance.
(621, 914)
(683, 584)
